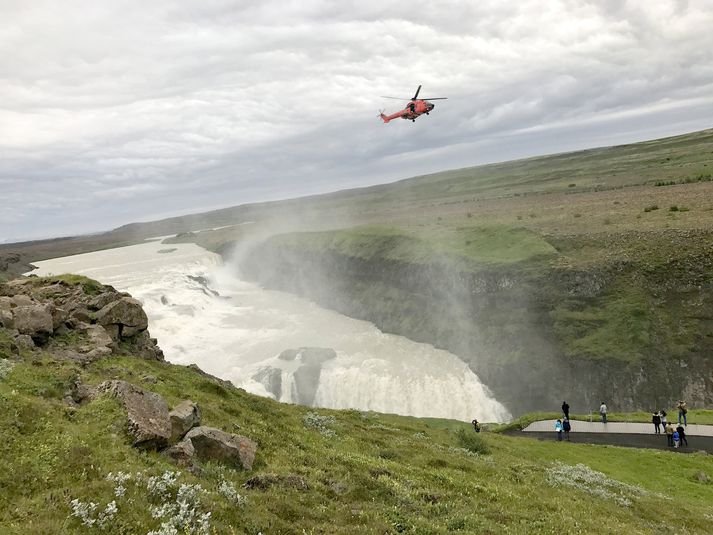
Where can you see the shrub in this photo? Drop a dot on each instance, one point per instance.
(651, 208)
(673, 208)
(577, 215)
(472, 441)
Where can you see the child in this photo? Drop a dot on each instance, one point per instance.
(676, 439)
(559, 428)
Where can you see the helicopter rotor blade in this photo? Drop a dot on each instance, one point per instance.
(435, 98)
(395, 98)
(417, 91)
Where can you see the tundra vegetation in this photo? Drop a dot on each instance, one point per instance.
(72, 469)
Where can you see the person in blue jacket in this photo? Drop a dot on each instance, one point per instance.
(559, 428)
(566, 427)
(676, 439)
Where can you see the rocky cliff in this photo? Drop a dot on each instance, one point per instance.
(638, 334)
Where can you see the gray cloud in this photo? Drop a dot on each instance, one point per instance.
(114, 112)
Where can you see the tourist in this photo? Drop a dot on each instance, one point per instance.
(656, 420)
(603, 412)
(663, 418)
(676, 439)
(566, 427)
(565, 410)
(682, 434)
(682, 410)
(669, 434)
(559, 428)
(476, 425)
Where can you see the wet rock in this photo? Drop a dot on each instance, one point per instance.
(185, 416)
(271, 379)
(215, 445)
(147, 412)
(127, 313)
(307, 375)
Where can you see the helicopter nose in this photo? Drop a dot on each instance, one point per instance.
(430, 106)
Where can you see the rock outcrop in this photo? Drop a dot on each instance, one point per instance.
(48, 309)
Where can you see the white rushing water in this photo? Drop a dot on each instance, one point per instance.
(201, 313)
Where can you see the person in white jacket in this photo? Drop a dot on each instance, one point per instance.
(603, 412)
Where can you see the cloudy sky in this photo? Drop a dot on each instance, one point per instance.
(113, 112)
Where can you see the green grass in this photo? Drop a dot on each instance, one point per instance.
(467, 247)
(377, 474)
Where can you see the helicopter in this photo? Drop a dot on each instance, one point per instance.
(415, 108)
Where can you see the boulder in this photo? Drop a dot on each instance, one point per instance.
(79, 315)
(6, 320)
(215, 445)
(147, 412)
(34, 320)
(127, 313)
(182, 453)
(146, 347)
(103, 299)
(5, 303)
(98, 337)
(59, 316)
(24, 342)
(184, 417)
(78, 393)
(21, 300)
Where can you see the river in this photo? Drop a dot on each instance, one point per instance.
(201, 312)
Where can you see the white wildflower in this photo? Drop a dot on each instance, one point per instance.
(162, 485)
(84, 512)
(596, 483)
(229, 491)
(320, 423)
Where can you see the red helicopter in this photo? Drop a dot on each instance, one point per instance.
(415, 108)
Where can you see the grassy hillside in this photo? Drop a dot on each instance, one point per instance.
(321, 471)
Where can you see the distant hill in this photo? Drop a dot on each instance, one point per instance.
(681, 159)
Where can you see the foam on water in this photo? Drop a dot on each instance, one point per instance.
(202, 313)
